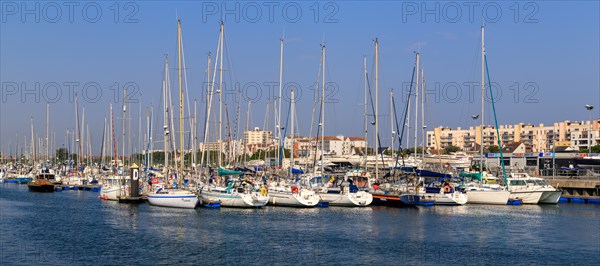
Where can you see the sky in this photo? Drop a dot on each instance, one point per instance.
(543, 60)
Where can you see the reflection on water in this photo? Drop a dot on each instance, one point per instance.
(74, 227)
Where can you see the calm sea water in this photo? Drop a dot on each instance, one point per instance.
(74, 227)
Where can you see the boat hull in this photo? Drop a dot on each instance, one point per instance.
(357, 199)
(302, 199)
(23, 180)
(235, 199)
(455, 198)
(41, 188)
(111, 193)
(494, 197)
(177, 199)
(550, 197)
(526, 197)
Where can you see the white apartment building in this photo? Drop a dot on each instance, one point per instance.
(538, 138)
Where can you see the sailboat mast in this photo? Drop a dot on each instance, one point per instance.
(392, 120)
(482, 98)
(123, 129)
(209, 97)
(79, 148)
(423, 142)
(179, 71)
(292, 114)
(279, 137)
(221, 93)
(47, 131)
(114, 140)
(416, 105)
(323, 110)
(195, 135)
(32, 155)
(166, 114)
(376, 108)
(365, 125)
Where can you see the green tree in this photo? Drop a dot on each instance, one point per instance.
(491, 149)
(595, 149)
(451, 149)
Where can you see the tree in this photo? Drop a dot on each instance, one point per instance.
(595, 149)
(491, 149)
(451, 149)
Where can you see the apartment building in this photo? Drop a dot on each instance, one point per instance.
(538, 138)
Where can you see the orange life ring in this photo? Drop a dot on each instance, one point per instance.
(294, 189)
(154, 180)
(447, 189)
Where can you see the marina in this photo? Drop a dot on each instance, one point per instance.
(252, 236)
(299, 133)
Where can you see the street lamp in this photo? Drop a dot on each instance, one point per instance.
(589, 107)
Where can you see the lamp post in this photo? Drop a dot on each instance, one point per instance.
(589, 107)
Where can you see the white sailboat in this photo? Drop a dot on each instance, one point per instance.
(237, 193)
(175, 197)
(479, 193)
(286, 194)
(442, 195)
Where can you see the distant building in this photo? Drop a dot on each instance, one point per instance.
(339, 145)
(537, 138)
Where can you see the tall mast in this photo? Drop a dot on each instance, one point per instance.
(79, 148)
(221, 92)
(482, 98)
(32, 155)
(279, 104)
(392, 120)
(416, 104)
(195, 135)
(209, 94)
(365, 126)
(83, 137)
(179, 71)
(47, 131)
(123, 129)
(292, 114)
(114, 140)
(323, 110)
(376, 108)
(166, 114)
(423, 144)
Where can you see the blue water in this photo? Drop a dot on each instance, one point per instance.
(74, 227)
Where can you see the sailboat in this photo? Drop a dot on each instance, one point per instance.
(175, 197)
(284, 193)
(477, 192)
(231, 191)
(113, 186)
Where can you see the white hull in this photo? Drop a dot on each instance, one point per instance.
(111, 193)
(455, 198)
(358, 199)
(550, 197)
(305, 198)
(527, 197)
(499, 197)
(235, 199)
(173, 198)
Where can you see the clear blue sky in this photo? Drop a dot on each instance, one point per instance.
(550, 49)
